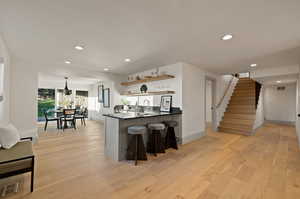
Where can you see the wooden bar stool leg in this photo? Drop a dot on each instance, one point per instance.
(136, 149)
(154, 143)
(173, 141)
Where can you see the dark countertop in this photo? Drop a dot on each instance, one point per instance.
(132, 115)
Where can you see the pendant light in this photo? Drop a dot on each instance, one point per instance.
(66, 90)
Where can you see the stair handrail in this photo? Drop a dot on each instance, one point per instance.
(225, 92)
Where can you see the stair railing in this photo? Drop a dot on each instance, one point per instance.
(222, 105)
(225, 92)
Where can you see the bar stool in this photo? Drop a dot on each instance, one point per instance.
(155, 142)
(136, 149)
(170, 140)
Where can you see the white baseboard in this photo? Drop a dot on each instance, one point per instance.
(30, 133)
(192, 137)
(258, 125)
(282, 122)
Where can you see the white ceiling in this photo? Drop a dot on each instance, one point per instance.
(44, 77)
(284, 79)
(152, 33)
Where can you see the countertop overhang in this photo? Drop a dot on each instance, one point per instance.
(132, 115)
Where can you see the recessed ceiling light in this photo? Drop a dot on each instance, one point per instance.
(279, 81)
(227, 37)
(253, 65)
(106, 69)
(79, 47)
(68, 62)
(127, 60)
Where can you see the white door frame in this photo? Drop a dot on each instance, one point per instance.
(214, 101)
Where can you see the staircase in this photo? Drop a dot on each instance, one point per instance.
(240, 114)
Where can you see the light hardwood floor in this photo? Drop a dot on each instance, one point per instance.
(71, 165)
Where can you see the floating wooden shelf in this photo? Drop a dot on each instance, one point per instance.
(149, 93)
(150, 79)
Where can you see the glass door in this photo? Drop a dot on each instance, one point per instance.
(46, 102)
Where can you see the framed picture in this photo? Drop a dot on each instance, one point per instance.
(166, 103)
(106, 98)
(100, 93)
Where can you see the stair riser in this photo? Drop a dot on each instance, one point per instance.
(238, 106)
(242, 98)
(242, 102)
(240, 111)
(245, 85)
(241, 127)
(238, 122)
(239, 94)
(225, 130)
(239, 116)
(244, 91)
(246, 82)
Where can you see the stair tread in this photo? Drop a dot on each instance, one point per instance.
(236, 125)
(236, 128)
(234, 131)
(240, 97)
(243, 93)
(238, 122)
(240, 112)
(233, 114)
(241, 105)
(244, 90)
(239, 116)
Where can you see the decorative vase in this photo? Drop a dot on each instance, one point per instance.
(144, 88)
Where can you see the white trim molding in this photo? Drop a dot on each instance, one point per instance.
(222, 108)
(192, 137)
(30, 133)
(259, 117)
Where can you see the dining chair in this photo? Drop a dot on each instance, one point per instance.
(51, 119)
(68, 116)
(81, 116)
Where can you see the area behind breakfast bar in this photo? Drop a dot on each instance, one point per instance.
(116, 125)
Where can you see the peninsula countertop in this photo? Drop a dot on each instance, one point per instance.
(133, 115)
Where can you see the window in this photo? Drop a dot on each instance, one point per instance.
(52, 99)
(46, 102)
(141, 100)
(64, 101)
(145, 101)
(81, 99)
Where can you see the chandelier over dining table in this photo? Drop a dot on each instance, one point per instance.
(66, 89)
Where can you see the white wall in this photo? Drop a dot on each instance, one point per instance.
(96, 109)
(222, 83)
(189, 87)
(208, 101)
(193, 103)
(174, 84)
(5, 83)
(275, 71)
(280, 105)
(61, 85)
(24, 87)
(260, 114)
(298, 108)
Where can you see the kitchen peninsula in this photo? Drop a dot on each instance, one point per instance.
(116, 125)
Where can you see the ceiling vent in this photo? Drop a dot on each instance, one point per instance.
(281, 88)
